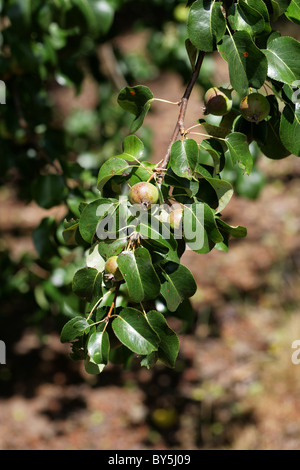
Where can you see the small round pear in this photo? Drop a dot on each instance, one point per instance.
(255, 107)
(216, 102)
(111, 267)
(143, 193)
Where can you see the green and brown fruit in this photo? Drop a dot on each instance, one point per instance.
(217, 102)
(143, 193)
(255, 107)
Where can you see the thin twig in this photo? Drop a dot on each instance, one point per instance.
(183, 106)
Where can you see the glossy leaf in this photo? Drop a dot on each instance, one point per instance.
(87, 283)
(238, 148)
(273, 146)
(184, 156)
(177, 284)
(247, 64)
(136, 100)
(242, 17)
(283, 55)
(138, 272)
(169, 343)
(236, 232)
(206, 24)
(290, 127)
(135, 332)
(200, 228)
(133, 148)
(111, 168)
(92, 214)
(98, 346)
(293, 11)
(74, 328)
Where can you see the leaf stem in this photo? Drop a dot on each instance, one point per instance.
(166, 101)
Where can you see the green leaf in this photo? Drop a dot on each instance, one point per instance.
(111, 168)
(278, 7)
(247, 64)
(177, 284)
(74, 328)
(238, 148)
(92, 214)
(206, 24)
(169, 343)
(98, 15)
(237, 232)
(159, 235)
(200, 228)
(260, 7)
(273, 146)
(110, 248)
(224, 191)
(133, 148)
(293, 11)
(87, 283)
(141, 173)
(290, 128)
(98, 346)
(192, 53)
(133, 330)
(136, 100)
(283, 55)
(92, 368)
(140, 277)
(49, 190)
(216, 151)
(242, 17)
(191, 186)
(184, 157)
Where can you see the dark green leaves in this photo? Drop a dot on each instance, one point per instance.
(87, 283)
(92, 214)
(248, 16)
(49, 190)
(206, 24)
(177, 284)
(169, 343)
(247, 64)
(290, 128)
(132, 329)
(141, 279)
(136, 100)
(111, 168)
(74, 328)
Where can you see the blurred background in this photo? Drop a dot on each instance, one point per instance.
(234, 385)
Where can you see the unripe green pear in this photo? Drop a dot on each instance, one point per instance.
(175, 219)
(255, 107)
(111, 267)
(216, 102)
(143, 193)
